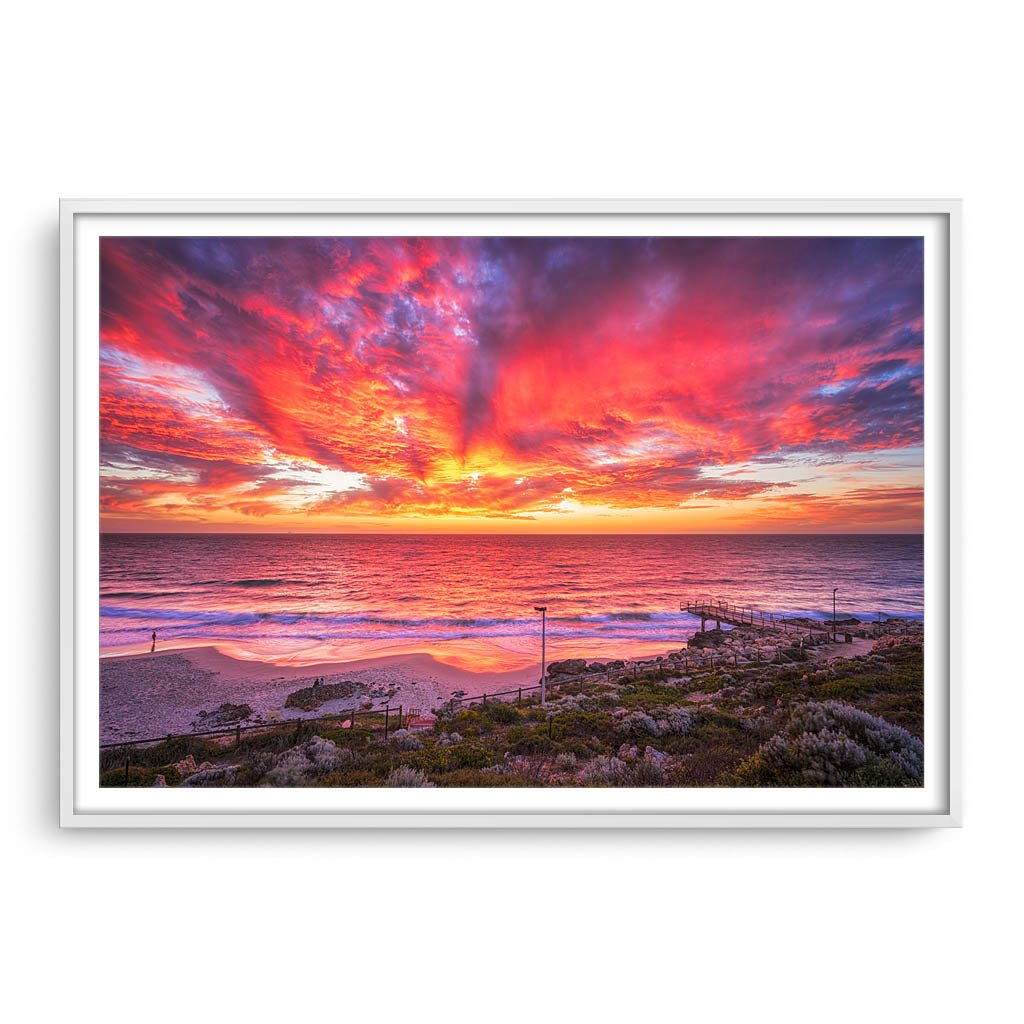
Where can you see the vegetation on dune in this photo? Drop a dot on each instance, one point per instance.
(854, 722)
(834, 744)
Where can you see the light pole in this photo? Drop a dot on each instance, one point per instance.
(834, 589)
(542, 608)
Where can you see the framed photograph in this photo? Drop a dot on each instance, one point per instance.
(509, 513)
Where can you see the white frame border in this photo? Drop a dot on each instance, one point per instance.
(71, 817)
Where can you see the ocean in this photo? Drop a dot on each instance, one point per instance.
(308, 598)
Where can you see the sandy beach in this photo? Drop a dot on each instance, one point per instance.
(147, 693)
(154, 694)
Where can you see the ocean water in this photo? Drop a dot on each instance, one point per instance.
(330, 597)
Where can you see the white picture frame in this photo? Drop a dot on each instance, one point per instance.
(83, 804)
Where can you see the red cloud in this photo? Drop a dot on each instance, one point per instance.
(490, 378)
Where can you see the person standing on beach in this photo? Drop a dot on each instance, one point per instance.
(153, 648)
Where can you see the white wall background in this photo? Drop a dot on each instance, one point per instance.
(530, 99)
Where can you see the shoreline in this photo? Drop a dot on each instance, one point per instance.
(184, 686)
(172, 689)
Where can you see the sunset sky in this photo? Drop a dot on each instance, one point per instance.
(512, 384)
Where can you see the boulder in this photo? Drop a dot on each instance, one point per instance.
(159, 782)
(569, 667)
(311, 697)
(709, 638)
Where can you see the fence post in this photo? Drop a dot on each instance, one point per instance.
(519, 699)
(238, 733)
(387, 712)
(400, 716)
(127, 758)
(485, 700)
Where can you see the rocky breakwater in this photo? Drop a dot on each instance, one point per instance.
(738, 647)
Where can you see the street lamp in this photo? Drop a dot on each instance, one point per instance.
(542, 608)
(834, 589)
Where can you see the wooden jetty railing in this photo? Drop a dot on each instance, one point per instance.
(739, 615)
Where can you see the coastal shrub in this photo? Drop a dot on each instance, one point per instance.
(583, 749)
(315, 756)
(566, 762)
(502, 713)
(349, 778)
(223, 775)
(137, 776)
(404, 777)
(404, 740)
(834, 744)
(906, 709)
(583, 724)
(645, 771)
(603, 771)
(475, 722)
(466, 756)
(431, 759)
(531, 741)
(471, 777)
(639, 723)
(672, 721)
(167, 752)
(437, 759)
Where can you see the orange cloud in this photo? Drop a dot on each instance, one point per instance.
(548, 384)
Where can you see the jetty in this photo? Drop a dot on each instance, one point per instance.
(708, 609)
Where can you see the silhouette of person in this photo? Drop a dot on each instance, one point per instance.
(153, 648)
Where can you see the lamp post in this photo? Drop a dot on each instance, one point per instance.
(542, 608)
(834, 589)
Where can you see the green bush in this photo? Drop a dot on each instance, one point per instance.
(466, 756)
(137, 776)
(503, 714)
(534, 741)
(437, 760)
(584, 724)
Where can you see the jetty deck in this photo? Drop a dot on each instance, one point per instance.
(708, 609)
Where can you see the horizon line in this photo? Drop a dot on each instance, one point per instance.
(422, 533)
